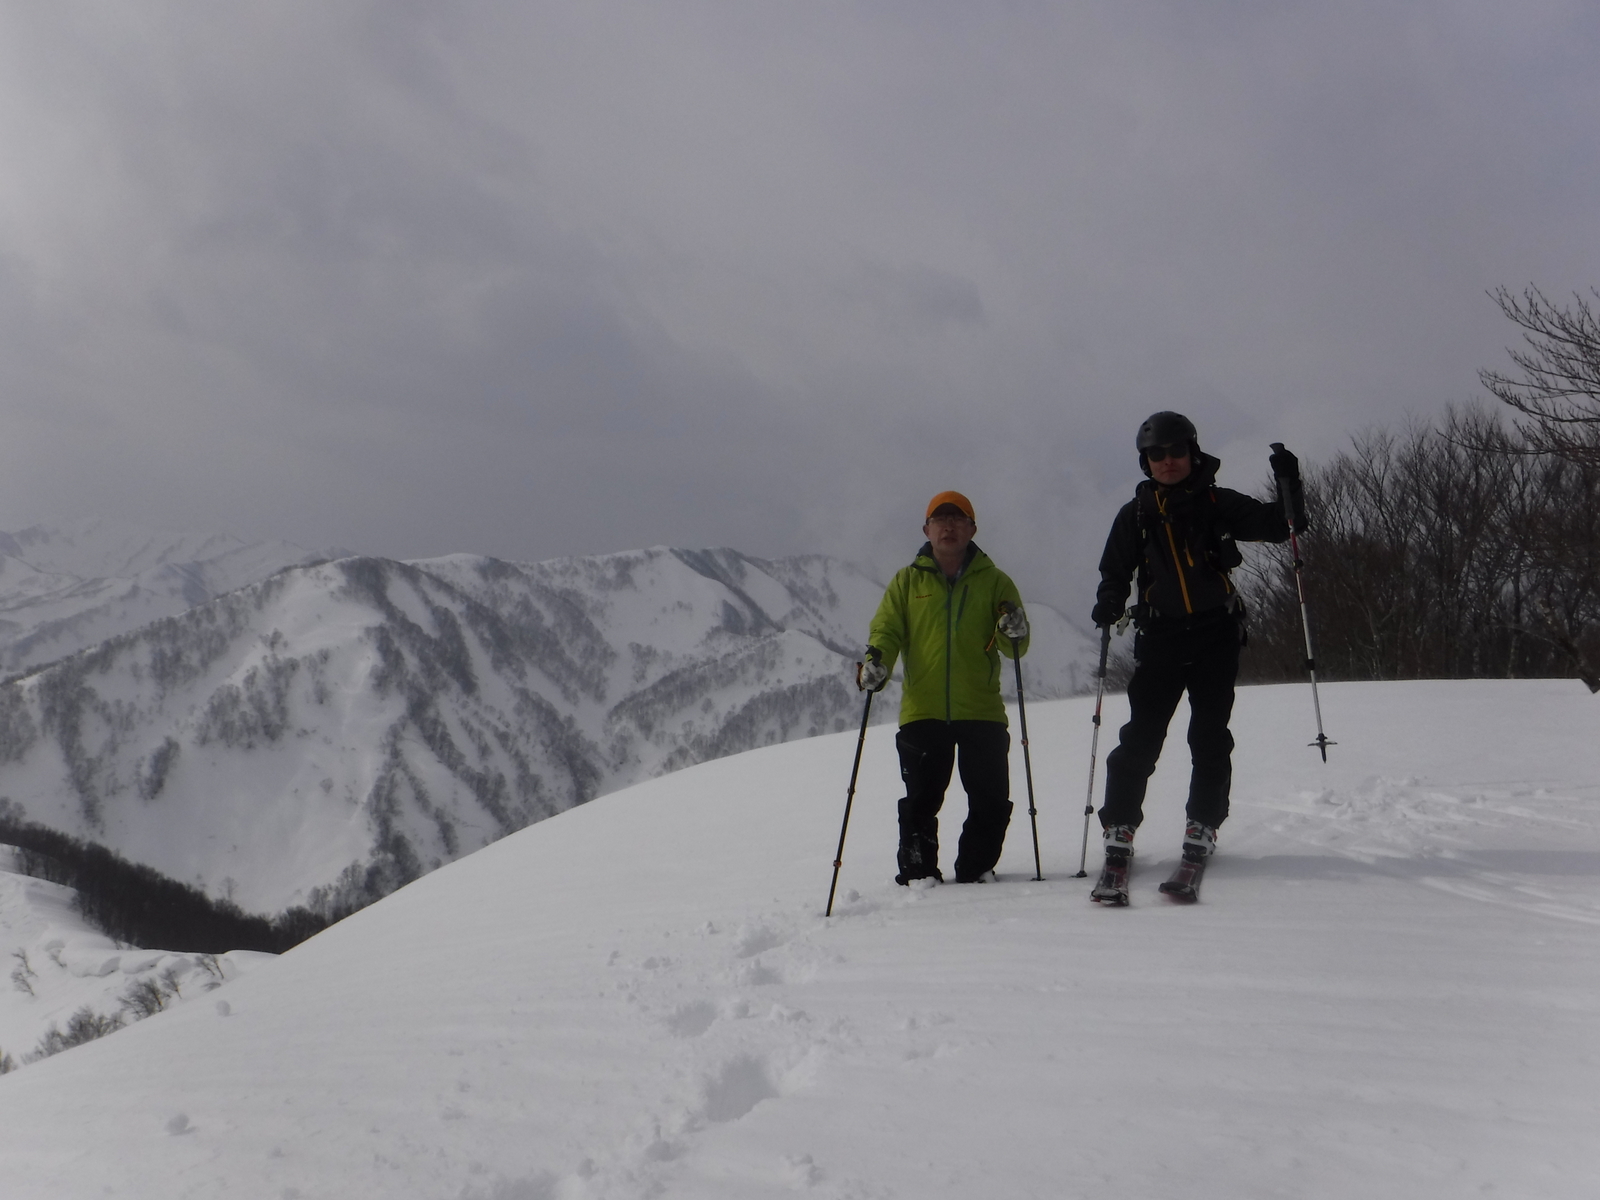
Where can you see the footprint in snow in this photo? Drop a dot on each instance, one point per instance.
(739, 1086)
(758, 940)
(691, 1020)
(758, 974)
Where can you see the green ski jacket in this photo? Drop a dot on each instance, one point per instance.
(945, 633)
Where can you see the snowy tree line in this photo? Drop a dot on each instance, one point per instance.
(138, 906)
(1464, 549)
(143, 997)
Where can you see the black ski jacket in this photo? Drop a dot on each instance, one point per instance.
(1179, 541)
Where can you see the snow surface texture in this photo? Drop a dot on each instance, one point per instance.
(67, 586)
(329, 734)
(1390, 988)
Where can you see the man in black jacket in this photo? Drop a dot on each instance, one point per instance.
(1178, 535)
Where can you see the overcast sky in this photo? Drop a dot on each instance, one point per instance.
(528, 279)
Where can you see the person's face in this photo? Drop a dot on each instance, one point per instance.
(949, 532)
(1173, 465)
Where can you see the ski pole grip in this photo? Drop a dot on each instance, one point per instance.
(1277, 448)
(1286, 498)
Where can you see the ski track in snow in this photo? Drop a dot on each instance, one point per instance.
(1415, 830)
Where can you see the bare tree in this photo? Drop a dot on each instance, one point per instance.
(1558, 394)
(1456, 551)
(85, 1025)
(144, 998)
(23, 973)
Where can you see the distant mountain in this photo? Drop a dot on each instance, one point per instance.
(68, 586)
(332, 732)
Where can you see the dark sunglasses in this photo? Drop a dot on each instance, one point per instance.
(1162, 453)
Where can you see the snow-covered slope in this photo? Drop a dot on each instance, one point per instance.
(57, 965)
(332, 732)
(1390, 989)
(67, 586)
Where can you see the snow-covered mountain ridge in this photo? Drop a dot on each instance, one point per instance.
(328, 734)
(73, 584)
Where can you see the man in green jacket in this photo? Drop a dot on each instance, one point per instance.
(948, 617)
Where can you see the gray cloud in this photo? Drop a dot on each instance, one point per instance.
(543, 279)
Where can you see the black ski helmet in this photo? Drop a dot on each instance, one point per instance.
(1166, 429)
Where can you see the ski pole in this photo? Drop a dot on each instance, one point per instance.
(1094, 748)
(1027, 762)
(1322, 743)
(849, 798)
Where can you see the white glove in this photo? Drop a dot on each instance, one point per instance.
(871, 674)
(1014, 624)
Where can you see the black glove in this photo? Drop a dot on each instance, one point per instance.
(1106, 614)
(871, 674)
(1285, 466)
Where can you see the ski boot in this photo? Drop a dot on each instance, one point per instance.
(1199, 843)
(1112, 888)
(918, 859)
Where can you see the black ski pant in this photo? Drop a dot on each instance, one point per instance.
(928, 751)
(1201, 658)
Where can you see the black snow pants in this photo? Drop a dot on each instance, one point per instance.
(928, 751)
(1200, 656)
